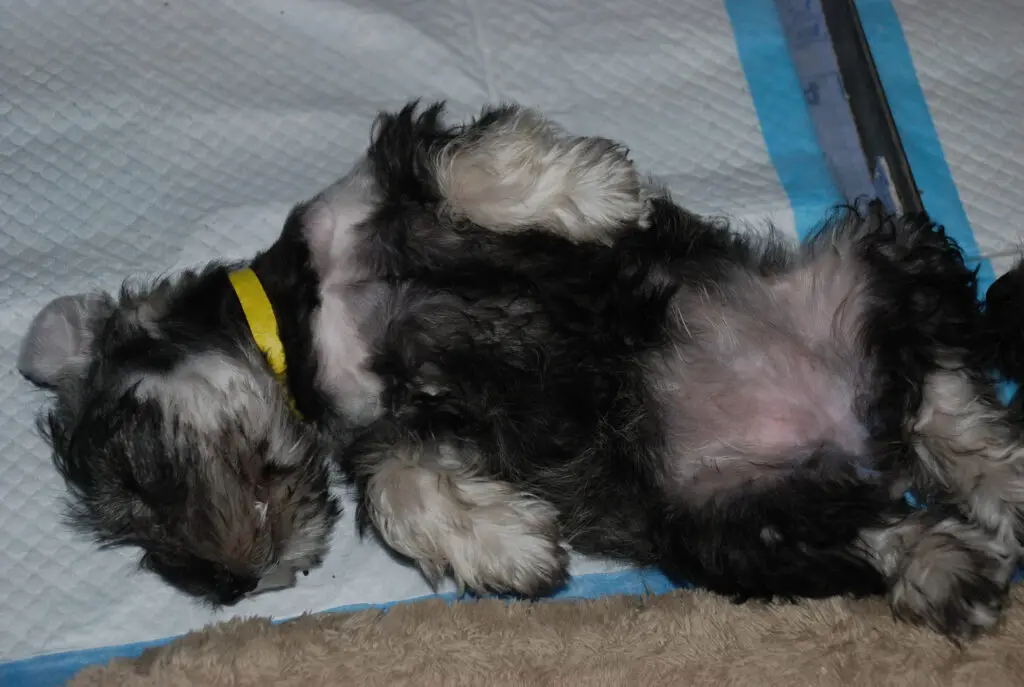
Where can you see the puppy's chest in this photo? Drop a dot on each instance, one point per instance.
(763, 374)
(344, 329)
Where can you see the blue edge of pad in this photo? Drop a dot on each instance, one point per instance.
(803, 173)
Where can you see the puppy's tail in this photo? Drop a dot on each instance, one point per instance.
(1002, 336)
(508, 171)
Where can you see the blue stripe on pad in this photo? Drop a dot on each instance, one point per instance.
(786, 123)
(919, 136)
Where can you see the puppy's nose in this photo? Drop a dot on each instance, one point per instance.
(237, 588)
(244, 585)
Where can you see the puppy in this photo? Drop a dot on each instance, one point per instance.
(512, 345)
(197, 418)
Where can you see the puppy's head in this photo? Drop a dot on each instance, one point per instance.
(173, 435)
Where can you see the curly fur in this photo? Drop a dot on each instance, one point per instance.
(743, 413)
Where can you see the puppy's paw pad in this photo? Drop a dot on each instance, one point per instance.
(956, 590)
(978, 610)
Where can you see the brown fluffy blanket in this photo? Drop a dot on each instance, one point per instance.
(684, 638)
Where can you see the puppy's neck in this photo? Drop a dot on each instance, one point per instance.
(292, 286)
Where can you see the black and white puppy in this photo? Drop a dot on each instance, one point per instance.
(512, 346)
(171, 429)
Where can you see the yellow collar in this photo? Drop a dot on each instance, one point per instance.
(262, 323)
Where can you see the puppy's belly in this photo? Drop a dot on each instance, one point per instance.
(765, 379)
(341, 337)
(746, 433)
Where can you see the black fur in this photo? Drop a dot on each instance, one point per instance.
(533, 350)
(1001, 341)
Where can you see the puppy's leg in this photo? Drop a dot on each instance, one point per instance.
(964, 452)
(957, 572)
(509, 171)
(428, 503)
(944, 572)
(513, 170)
(965, 442)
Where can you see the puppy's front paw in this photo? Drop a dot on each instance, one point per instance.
(952, 587)
(490, 537)
(512, 548)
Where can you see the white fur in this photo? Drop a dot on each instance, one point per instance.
(489, 535)
(306, 543)
(208, 392)
(281, 577)
(302, 551)
(331, 219)
(343, 358)
(206, 388)
(524, 171)
(330, 227)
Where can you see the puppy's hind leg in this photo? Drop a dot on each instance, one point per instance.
(427, 502)
(966, 444)
(942, 570)
(951, 571)
(509, 171)
(965, 455)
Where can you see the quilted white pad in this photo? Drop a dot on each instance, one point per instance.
(141, 135)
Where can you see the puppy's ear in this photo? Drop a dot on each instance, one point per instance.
(59, 341)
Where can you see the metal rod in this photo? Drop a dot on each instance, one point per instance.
(875, 124)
